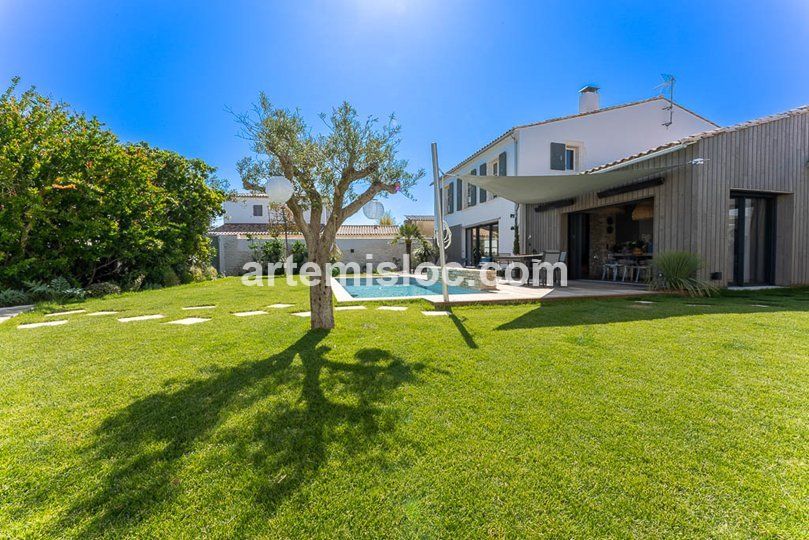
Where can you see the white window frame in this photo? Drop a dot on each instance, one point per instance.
(576, 153)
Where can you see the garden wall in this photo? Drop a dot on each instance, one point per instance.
(234, 252)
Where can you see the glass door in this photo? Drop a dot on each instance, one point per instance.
(752, 239)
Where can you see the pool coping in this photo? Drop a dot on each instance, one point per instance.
(505, 294)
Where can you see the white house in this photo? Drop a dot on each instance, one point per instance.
(484, 225)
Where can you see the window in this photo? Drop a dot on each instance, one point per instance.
(459, 194)
(450, 197)
(471, 195)
(570, 158)
(258, 210)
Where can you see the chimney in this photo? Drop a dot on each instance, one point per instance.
(588, 99)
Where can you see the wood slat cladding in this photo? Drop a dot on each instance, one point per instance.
(692, 206)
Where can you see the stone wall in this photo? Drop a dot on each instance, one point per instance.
(472, 277)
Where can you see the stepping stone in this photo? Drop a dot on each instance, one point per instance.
(349, 308)
(698, 305)
(250, 313)
(760, 305)
(60, 313)
(141, 318)
(303, 314)
(435, 313)
(281, 306)
(189, 308)
(188, 320)
(392, 308)
(101, 313)
(38, 324)
(643, 302)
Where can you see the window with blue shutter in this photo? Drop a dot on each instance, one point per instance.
(450, 198)
(459, 194)
(471, 195)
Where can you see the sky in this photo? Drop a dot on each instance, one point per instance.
(458, 73)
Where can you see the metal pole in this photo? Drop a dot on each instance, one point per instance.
(439, 216)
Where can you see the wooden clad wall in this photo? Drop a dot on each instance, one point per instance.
(692, 206)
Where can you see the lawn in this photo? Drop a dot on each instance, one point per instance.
(571, 419)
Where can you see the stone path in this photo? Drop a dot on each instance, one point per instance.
(190, 308)
(392, 308)
(101, 313)
(349, 308)
(303, 314)
(188, 321)
(644, 302)
(250, 313)
(40, 324)
(280, 306)
(435, 313)
(142, 318)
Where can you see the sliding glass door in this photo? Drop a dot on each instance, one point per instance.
(752, 239)
(481, 241)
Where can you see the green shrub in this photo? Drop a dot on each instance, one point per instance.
(168, 277)
(104, 288)
(266, 252)
(299, 254)
(58, 290)
(210, 272)
(677, 271)
(133, 282)
(425, 253)
(14, 297)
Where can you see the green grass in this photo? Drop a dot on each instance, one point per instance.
(572, 419)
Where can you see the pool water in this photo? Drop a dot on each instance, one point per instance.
(362, 287)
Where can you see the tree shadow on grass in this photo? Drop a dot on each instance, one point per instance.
(608, 311)
(338, 406)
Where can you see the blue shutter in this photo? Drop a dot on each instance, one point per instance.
(483, 195)
(557, 156)
(450, 198)
(459, 194)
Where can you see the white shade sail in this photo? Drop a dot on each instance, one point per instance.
(555, 187)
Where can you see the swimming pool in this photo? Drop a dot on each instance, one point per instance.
(362, 287)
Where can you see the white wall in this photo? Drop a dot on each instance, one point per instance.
(606, 136)
(240, 210)
(600, 137)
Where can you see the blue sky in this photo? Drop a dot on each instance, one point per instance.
(455, 72)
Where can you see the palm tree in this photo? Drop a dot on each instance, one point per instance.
(407, 233)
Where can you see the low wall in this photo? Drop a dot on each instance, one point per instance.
(472, 277)
(234, 252)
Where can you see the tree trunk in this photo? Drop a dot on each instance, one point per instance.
(320, 296)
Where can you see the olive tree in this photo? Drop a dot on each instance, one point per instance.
(334, 173)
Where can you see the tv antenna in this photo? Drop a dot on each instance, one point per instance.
(667, 86)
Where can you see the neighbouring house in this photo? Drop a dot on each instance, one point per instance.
(425, 223)
(249, 218)
(485, 225)
(737, 196)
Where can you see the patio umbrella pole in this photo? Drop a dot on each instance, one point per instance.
(439, 216)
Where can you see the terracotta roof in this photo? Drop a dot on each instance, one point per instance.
(345, 231)
(256, 195)
(569, 117)
(691, 139)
